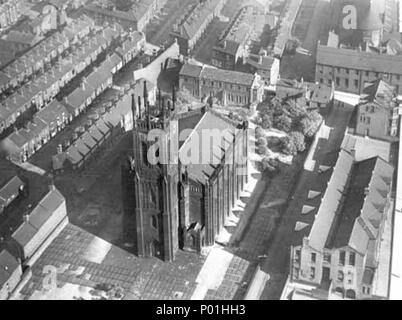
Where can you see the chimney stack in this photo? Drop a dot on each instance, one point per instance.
(26, 218)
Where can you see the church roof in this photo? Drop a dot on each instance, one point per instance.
(210, 153)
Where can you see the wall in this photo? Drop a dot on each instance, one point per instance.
(151, 72)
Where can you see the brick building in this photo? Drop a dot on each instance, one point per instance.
(10, 12)
(137, 18)
(10, 274)
(234, 43)
(308, 94)
(350, 70)
(190, 27)
(178, 204)
(41, 226)
(229, 87)
(377, 113)
(336, 248)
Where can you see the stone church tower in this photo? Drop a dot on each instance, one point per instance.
(150, 191)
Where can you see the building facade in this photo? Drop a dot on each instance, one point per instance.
(349, 70)
(176, 204)
(228, 87)
(338, 254)
(378, 112)
(234, 43)
(190, 27)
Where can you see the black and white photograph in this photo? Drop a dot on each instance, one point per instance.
(201, 155)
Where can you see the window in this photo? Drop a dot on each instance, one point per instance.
(347, 71)
(154, 222)
(297, 255)
(312, 273)
(350, 277)
(352, 259)
(341, 276)
(313, 258)
(356, 83)
(342, 258)
(357, 72)
(347, 82)
(327, 257)
(367, 73)
(338, 81)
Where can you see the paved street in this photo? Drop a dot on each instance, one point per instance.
(277, 263)
(158, 31)
(258, 233)
(303, 66)
(203, 50)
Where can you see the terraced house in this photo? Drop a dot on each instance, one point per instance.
(234, 43)
(349, 70)
(192, 25)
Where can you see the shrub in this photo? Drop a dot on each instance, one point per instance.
(310, 124)
(297, 138)
(283, 123)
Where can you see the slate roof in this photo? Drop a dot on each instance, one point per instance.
(214, 74)
(8, 264)
(123, 15)
(210, 120)
(351, 213)
(38, 217)
(378, 91)
(191, 70)
(10, 191)
(353, 59)
(193, 20)
(329, 205)
(363, 210)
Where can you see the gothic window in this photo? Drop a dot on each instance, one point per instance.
(152, 198)
(154, 222)
(144, 150)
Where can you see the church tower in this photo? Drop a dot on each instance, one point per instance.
(150, 188)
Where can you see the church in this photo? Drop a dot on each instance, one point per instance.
(175, 204)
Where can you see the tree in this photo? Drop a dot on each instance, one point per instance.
(266, 121)
(262, 142)
(276, 107)
(295, 110)
(262, 150)
(297, 138)
(270, 165)
(310, 124)
(259, 132)
(283, 123)
(288, 147)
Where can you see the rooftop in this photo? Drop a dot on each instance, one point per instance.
(191, 22)
(39, 216)
(354, 59)
(235, 77)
